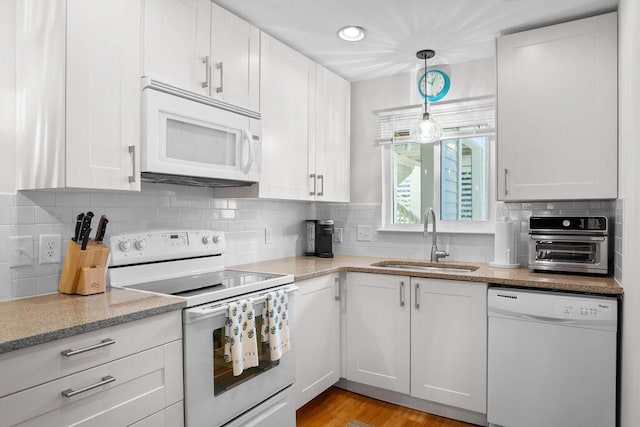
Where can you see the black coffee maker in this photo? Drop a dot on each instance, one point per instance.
(320, 238)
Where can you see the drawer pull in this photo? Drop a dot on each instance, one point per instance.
(105, 342)
(105, 380)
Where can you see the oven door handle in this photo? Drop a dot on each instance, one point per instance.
(200, 313)
(564, 238)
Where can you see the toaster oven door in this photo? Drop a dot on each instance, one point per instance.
(579, 254)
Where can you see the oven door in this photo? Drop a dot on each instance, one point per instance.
(188, 138)
(213, 396)
(579, 254)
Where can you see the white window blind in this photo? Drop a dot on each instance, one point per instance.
(469, 117)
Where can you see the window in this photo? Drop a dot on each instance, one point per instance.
(454, 176)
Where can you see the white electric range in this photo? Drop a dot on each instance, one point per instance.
(190, 264)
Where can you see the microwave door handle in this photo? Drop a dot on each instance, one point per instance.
(247, 136)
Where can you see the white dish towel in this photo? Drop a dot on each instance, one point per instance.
(240, 344)
(276, 324)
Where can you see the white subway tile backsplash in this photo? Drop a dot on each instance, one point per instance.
(23, 287)
(5, 281)
(72, 199)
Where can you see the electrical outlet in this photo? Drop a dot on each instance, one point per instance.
(267, 236)
(20, 250)
(337, 235)
(363, 233)
(50, 248)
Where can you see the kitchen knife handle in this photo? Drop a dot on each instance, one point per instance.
(132, 150)
(205, 84)
(85, 239)
(321, 178)
(220, 66)
(313, 176)
(105, 380)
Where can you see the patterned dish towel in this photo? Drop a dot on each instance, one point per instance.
(240, 344)
(276, 324)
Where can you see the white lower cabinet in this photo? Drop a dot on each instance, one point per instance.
(109, 385)
(317, 322)
(418, 336)
(377, 331)
(449, 342)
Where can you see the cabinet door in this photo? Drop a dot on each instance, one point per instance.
(377, 337)
(284, 104)
(317, 322)
(177, 42)
(330, 156)
(103, 94)
(235, 59)
(449, 342)
(557, 112)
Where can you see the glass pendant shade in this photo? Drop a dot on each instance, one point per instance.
(426, 131)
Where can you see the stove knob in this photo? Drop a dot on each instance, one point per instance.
(566, 223)
(206, 239)
(216, 238)
(125, 245)
(140, 244)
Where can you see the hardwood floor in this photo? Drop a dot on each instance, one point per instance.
(336, 407)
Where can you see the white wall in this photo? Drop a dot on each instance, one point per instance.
(629, 155)
(469, 79)
(32, 213)
(7, 97)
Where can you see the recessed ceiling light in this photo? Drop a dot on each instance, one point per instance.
(351, 33)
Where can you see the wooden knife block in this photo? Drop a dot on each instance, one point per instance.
(83, 272)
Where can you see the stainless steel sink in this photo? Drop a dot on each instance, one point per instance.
(427, 266)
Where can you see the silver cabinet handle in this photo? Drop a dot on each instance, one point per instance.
(207, 77)
(105, 380)
(105, 342)
(321, 192)
(506, 183)
(337, 288)
(313, 176)
(220, 66)
(402, 294)
(417, 296)
(132, 151)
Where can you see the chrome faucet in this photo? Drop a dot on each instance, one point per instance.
(435, 253)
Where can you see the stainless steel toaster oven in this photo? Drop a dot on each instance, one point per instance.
(570, 244)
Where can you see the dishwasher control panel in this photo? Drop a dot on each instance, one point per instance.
(579, 308)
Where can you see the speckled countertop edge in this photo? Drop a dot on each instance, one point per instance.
(303, 268)
(40, 319)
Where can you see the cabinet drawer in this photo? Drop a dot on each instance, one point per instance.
(31, 366)
(173, 416)
(142, 384)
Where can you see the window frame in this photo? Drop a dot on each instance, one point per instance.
(459, 226)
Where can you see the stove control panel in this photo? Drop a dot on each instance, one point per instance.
(165, 245)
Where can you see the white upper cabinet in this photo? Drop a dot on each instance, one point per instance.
(305, 127)
(235, 59)
(198, 46)
(285, 78)
(79, 122)
(329, 150)
(177, 42)
(557, 111)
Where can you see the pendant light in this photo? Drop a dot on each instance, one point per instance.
(426, 130)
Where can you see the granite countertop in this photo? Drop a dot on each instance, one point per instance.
(39, 319)
(308, 267)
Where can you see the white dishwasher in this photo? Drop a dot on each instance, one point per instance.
(552, 359)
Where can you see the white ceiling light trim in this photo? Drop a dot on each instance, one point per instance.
(351, 33)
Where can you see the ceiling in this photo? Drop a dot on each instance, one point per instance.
(458, 30)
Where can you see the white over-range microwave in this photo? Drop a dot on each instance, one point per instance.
(192, 139)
